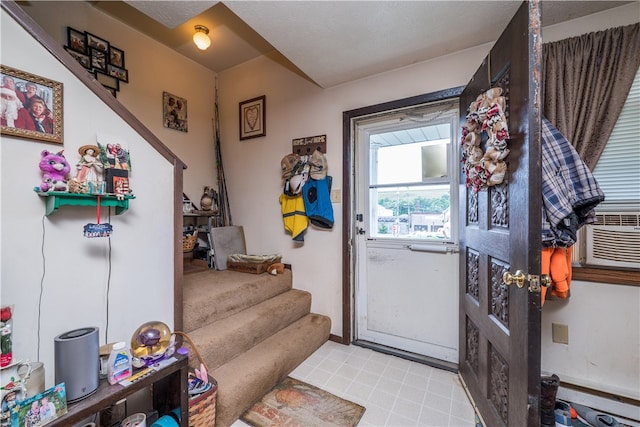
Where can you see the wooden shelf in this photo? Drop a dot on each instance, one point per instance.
(168, 386)
(57, 199)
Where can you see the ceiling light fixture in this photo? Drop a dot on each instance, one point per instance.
(200, 37)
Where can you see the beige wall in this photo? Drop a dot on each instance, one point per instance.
(296, 108)
(57, 279)
(153, 68)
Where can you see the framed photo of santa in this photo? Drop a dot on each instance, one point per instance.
(31, 106)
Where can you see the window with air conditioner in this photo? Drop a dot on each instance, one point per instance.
(614, 240)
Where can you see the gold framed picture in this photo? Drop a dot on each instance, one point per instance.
(31, 106)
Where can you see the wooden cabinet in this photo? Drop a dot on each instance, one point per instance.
(168, 387)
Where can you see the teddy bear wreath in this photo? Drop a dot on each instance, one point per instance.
(485, 114)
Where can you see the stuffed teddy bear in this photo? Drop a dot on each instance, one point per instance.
(55, 168)
(276, 268)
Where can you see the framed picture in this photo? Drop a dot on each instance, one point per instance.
(33, 106)
(80, 57)
(174, 112)
(76, 40)
(98, 59)
(119, 73)
(116, 57)
(113, 91)
(41, 408)
(253, 118)
(97, 43)
(107, 81)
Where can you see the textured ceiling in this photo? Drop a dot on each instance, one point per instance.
(332, 42)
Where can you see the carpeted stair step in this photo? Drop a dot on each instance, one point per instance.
(213, 295)
(245, 379)
(221, 341)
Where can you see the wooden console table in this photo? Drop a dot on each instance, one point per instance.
(167, 385)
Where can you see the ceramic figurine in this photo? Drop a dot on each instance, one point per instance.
(208, 199)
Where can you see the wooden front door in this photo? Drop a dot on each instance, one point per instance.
(499, 356)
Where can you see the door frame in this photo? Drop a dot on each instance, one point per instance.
(348, 171)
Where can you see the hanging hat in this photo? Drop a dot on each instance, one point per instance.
(83, 150)
(287, 164)
(8, 92)
(318, 165)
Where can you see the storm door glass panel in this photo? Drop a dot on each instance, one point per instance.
(410, 181)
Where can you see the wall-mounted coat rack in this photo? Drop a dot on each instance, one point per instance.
(306, 146)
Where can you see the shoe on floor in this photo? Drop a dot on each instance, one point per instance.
(562, 413)
(595, 418)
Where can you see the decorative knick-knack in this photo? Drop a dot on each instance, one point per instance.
(206, 201)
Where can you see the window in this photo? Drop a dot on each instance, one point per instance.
(618, 169)
(412, 174)
(618, 174)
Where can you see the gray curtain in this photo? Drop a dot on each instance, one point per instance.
(586, 81)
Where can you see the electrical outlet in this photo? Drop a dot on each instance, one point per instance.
(336, 196)
(560, 333)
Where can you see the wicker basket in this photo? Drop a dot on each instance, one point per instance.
(189, 242)
(202, 408)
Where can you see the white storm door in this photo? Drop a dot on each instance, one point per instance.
(406, 260)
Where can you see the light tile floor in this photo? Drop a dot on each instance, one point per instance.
(395, 392)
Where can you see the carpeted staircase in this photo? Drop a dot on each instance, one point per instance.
(251, 330)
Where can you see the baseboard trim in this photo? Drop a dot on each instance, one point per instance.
(606, 395)
(625, 409)
(338, 339)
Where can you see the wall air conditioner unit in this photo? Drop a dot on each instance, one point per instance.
(613, 241)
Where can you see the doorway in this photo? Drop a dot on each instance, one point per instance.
(404, 256)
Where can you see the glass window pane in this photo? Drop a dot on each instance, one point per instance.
(410, 212)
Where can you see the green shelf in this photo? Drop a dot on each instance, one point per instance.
(57, 199)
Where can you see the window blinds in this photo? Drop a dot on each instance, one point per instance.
(618, 169)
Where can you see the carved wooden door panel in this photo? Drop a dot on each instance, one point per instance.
(499, 357)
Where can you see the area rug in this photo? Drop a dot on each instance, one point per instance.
(293, 403)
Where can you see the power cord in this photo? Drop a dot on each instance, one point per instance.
(106, 327)
(44, 267)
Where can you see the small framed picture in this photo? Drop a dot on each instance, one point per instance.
(253, 118)
(116, 57)
(107, 80)
(41, 100)
(97, 42)
(41, 408)
(82, 58)
(112, 91)
(174, 112)
(98, 59)
(119, 73)
(76, 40)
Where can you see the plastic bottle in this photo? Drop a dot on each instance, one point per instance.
(119, 363)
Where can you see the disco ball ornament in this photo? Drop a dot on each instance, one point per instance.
(151, 343)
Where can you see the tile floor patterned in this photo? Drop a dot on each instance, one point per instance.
(395, 392)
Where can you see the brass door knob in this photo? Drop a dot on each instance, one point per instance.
(517, 278)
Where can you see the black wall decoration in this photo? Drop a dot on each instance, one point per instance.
(99, 57)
